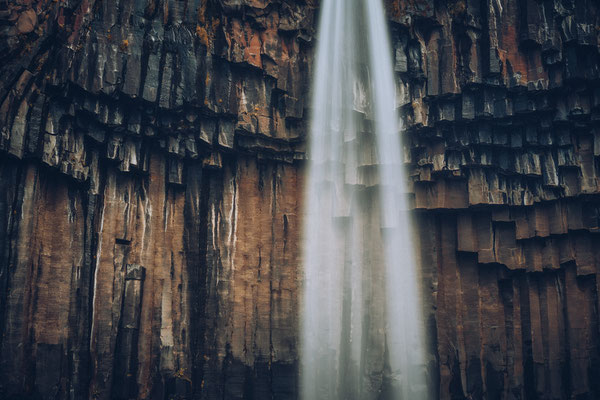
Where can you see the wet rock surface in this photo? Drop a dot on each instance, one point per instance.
(151, 166)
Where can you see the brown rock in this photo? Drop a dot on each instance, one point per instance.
(27, 21)
(151, 167)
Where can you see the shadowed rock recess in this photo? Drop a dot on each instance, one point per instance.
(151, 169)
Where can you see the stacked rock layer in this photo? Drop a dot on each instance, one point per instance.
(151, 189)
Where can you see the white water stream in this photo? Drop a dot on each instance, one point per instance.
(362, 328)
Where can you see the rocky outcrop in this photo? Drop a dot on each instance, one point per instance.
(500, 103)
(151, 174)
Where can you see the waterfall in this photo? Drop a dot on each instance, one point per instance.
(362, 326)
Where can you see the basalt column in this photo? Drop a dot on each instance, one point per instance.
(152, 171)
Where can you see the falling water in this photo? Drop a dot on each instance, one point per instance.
(362, 332)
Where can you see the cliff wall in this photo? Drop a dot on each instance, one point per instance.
(151, 170)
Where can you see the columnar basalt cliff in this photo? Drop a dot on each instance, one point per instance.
(151, 180)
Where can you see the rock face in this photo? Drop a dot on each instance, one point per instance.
(151, 194)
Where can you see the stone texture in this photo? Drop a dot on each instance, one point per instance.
(151, 166)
